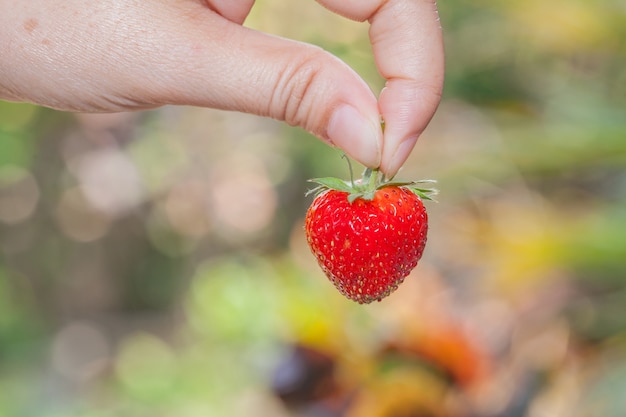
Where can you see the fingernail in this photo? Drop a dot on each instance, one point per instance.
(356, 135)
(399, 156)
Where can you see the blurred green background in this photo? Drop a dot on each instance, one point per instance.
(154, 263)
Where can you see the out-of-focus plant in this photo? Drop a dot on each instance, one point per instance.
(136, 280)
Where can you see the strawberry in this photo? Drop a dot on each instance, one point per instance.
(368, 235)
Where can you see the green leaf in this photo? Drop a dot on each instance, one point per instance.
(333, 184)
(406, 183)
(424, 193)
(353, 197)
(315, 191)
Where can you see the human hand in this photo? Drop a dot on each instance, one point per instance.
(115, 55)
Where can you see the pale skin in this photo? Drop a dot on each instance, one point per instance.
(123, 55)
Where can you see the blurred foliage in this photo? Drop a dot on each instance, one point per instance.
(137, 279)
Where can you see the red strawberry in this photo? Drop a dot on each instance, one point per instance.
(368, 236)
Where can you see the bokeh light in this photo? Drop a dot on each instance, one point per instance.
(154, 263)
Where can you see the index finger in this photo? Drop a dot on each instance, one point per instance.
(408, 48)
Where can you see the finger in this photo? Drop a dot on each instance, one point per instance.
(407, 43)
(291, 81)
(127, 55)
(234, 10)
(408, 48)
(359, 10)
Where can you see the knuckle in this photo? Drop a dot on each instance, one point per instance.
(297, 86)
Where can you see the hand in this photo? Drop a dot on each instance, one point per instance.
(114, 55)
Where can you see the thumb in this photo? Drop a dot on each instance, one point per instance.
(114, 56)
(221, 64)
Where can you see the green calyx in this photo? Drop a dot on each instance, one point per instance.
(371, 181)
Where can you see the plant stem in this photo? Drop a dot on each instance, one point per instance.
(365, 179)
(344, 156)
(372, 180)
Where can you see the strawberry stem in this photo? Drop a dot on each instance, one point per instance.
(372, 180)
(344, 156)
(366, 176)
